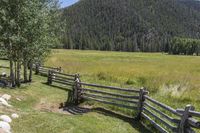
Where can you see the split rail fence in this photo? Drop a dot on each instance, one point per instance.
(5, 81)
(43, 70)
(164, 118)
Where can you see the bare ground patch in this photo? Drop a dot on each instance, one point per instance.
(45, 106)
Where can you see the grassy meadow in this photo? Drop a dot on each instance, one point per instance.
(39, 112)
(173, 80)
(169, 78)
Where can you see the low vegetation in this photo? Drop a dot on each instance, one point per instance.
(39, 112)
(39, 109)
(30, 29)
(167, 77)
(185, 46)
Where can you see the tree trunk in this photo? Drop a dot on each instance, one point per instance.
(12, 76)
(18, 74)
(31, 71)
(25, 72)
(15, 72)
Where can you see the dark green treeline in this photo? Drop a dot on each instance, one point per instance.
(128, 25)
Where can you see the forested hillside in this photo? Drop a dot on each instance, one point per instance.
(195, 4)
(129, 25)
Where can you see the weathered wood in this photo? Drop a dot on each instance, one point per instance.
(111, 103)
(194, 123)
(184, 125)
(58, 79)
(5, 78)
(49, 79)
(110, 87)
(174, 129)
(141, 103)
(46, 67)
(42, 71)
(162, 114)
(75, 92)
(53, 80)
(61, 77)
(6, 81)
(157, 126)
(40, 68)
(111, 98)
(70, 75)
(193, 113)
(79, 88)
(162, 105)
(112, 94)
(70, 82)
(37, 69)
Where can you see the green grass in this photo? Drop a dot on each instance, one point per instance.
(169, 78)
(39, 112)
(173, 80)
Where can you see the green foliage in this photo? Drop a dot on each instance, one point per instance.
(27, 31)
(185, 46)
(128, 25)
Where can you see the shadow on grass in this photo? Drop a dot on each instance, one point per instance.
(76, 110)
(68, 89)
(69, 107)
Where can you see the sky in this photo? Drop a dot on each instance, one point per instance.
(66, 3)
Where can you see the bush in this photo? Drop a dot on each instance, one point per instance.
(130, 82)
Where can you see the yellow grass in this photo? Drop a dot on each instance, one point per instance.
(167, 77)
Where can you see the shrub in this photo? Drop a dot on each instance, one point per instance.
(130, 82)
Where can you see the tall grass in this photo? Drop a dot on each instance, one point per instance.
(167, 77)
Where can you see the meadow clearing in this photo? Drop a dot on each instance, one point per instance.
(167, 77)
(173, 80)
(39, 112)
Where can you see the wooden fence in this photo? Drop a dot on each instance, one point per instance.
(5, 81)
(43, 70)
(164, 118)
(57, 77)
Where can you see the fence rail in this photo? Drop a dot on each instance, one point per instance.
(163, 117)
(193, 113)
(162, 105)
(5, 81)
(110, 87)
(43, 70)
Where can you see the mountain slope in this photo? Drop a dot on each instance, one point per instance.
(194, 4)
(128, 25)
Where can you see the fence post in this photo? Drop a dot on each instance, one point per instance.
(75, 90)
(49, 79)
(60, 69)
(37, 66)
(80, 90)
(142, 93)
(184, 126)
